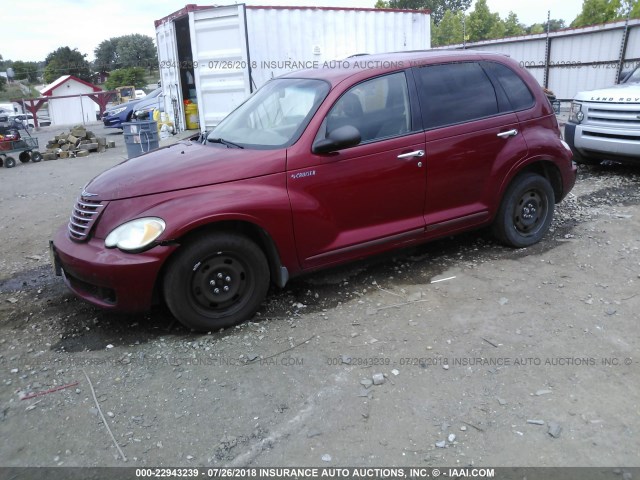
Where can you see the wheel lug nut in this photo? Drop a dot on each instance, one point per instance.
(227, 279)
(212, 283)
(216, 291)
(226, 289)
(220, 275)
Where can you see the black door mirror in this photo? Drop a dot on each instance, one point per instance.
(342, 137)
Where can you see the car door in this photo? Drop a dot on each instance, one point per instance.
(471, 138)
(363, 199)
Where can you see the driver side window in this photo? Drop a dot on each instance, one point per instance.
(378, 108)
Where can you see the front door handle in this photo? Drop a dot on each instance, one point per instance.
(508, 133)
(415, 153)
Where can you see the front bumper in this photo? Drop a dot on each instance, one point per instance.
(602, 142)
(112, 122)
(106, 277)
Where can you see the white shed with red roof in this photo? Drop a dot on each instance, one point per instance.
(71, 105)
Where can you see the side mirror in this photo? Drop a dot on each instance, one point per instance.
(343, 137)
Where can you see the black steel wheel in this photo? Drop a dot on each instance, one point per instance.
(526, 211)
(24, 157)
(216, 281)
(9, 162)
(36, 156)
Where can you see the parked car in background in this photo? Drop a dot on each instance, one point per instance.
(140, 94)
(7, 109)
(317, 168)
(604, 124)
(116, 115)
(26, 119)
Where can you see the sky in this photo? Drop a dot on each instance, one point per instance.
(36, 31)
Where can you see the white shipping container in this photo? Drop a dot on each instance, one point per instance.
(217, 56)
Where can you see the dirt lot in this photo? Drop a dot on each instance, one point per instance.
(472, 364)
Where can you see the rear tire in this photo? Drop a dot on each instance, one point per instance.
(9, 162)
(24, 157)
(36, 156)
(216, 281)
(526, 211)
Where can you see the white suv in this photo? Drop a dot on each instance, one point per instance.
(26, 119)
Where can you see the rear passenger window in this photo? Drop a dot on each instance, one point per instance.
(378, 108)
(517, 91)
(455, 93)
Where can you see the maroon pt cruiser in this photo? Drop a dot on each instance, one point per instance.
(317, 168)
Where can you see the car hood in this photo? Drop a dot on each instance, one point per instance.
(625, 93)
(183, 165)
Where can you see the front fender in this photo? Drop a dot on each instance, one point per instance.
(261, 201)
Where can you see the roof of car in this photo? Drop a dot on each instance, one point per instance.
(335, 71)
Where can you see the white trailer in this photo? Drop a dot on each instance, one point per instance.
(217, 56)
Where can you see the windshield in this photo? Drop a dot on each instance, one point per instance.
(634, 77)
(274, 116)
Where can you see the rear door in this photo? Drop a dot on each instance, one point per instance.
(221, 61)
(471, 139)
(362, 199)
(170, 72)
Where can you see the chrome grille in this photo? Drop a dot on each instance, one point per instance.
(617, 115)
(84, 214)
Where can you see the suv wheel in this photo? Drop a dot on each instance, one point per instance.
(579, 158)
(216, 281)
(526, 211)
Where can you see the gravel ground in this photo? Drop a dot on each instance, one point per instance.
(460, 352)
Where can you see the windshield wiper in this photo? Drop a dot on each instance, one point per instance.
(224, 142)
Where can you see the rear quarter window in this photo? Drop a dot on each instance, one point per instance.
(519, 95)
(455, 93)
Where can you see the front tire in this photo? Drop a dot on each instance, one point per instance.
(526, 211)
(216, 281)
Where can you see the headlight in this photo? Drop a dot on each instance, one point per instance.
(135, 235)
(576, 115)
(116, 111)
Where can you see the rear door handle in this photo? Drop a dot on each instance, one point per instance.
(508, 133)
(415, 153)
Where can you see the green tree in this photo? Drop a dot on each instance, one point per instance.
(137, 51)
(65, 61)
(598, 11)
(554, 25)
(29, 71)
(126, 76)
(4, 64)
(3, 84)
(127, 51)
(536, 28)
(631, 6)
(437, 7)
(512, 26)
(449, 31)
(483, 24)
(106, 56)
